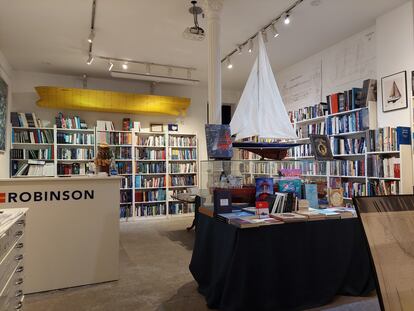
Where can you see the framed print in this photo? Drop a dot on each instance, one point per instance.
(3, 114)
(321, 147)
(155, 127)
(394, 92)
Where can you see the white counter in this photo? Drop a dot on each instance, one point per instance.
(72, 232)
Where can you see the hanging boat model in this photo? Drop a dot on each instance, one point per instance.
(262, 114)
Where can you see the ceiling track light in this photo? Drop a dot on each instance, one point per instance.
(111, 65)
(287, 19)
(240, 49)
(250, 50)
(90, 59)
(91, 36)
(125, 66)
(148, 69)
(188, 74)
(229, 64)
(274, 31)
(264, 34)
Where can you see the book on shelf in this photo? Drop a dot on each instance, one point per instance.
(150, 141)
(151, 154)
(75, 153)
(150, 195)
(126, 182)
(345, 101)
(383, 187)
(122, 153)
(348, 146)
(183, 154)
(144, 210)
(115, 138)
(35, 154)
(345, 168)
(180, 181)
(313, 128)
(32, 136)
(149, 182)
(124, 167)
(352, 122)
(104, 125)
(125, 211)
(369, 91)
(150, 168)
(32, 168)
(353, 189)
(309, 112)
(75, 138)
(380, 166)
(126, 196)
(74, 168)
(182, 141)
(24, 119)
(182, 168)
(68, 122)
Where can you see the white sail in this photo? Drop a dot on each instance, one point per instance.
(261, 111)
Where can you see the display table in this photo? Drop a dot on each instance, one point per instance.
(72, 232)
(280, 267)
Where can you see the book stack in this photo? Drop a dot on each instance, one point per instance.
(354, 189)
(70, 122)
(348, 100)
(352, 122)
(72, 169)
(348, 168)
(341, 146)
(149, 182)
(150, 168)
(182, 141)
(21, 119)
(75, 154)
(32, 168)
(381, 167)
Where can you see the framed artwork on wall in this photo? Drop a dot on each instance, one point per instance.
(3, 114)
(394, 92)
(156, 127)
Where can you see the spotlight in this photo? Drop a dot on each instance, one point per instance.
(250, 46)
(148, 69)
(240, 49)
(274, 31)
(287, 19)
(125, 66)
(229, 64)
(91, 36)
(111, 65)
(90, 59)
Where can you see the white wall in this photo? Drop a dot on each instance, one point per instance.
(6, 75)
(25, 97)
(395, 53)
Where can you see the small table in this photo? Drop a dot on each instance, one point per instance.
(188, 199)
(292, 266)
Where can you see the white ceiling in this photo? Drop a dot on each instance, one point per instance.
(50, 35)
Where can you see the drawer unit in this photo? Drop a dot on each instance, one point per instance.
(12, 227)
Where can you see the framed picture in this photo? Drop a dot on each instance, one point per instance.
(321, 147)
(394, 92)
(3, 114)
(155, 127)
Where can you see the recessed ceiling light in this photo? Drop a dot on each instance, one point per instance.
(125, 66)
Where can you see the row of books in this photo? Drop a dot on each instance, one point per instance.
(187, 180)
(149, 182)
(32, 136)
(383, 187)
(34, 154)
(151, 141)
(72, 169)
(102, 125)
(183, 167)
(22, 119)
(180, 208)
(184, 154)
(354, 189)
(75, 153)
(301, 151)
(150, 168)
(32, 168)
(124, 167)
(383, 167)
(314, 168)
(70, 122)
(115, 138)
(122, 153)
(126, 196)
(309, 112)
(313, 128)
(348, 168)
(348, 100)
(353, 122)
(182, 141)
(387, 138)
(151, 154)
(75, 138)
(144, 210)
(126, 182)
(341, 146)
(150, 196)
(125, 211)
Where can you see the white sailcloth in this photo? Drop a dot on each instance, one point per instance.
(261, 111)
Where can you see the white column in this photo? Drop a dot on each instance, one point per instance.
(214, 59)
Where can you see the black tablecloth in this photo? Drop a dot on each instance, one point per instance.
(280, 267)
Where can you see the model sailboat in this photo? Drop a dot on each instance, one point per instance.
(262, 114)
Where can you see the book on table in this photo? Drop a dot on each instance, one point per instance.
(289, 217)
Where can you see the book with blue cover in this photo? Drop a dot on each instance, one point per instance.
(264, 188)
(311, 194)
(403, 135)
(291, 185)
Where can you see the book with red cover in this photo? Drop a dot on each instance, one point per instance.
(397, 173)
(334, 103)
